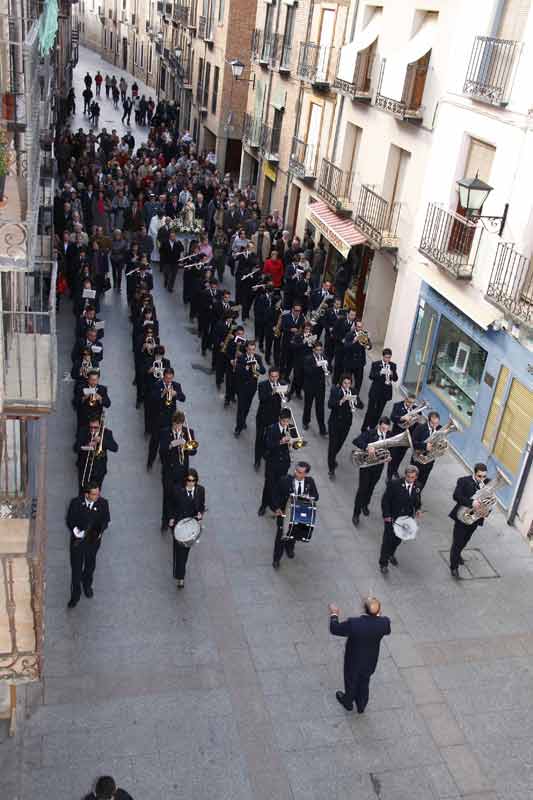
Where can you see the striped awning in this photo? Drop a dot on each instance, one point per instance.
(339, 231)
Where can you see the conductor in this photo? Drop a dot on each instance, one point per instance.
(364, 635)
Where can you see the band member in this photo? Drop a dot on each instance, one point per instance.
(144, 349)
(267, 411)
(246, 274)
(401, 499)
(174, 459)
(333, 313)
(80, 370)
(369, 476)
(87, 321)
(91, 399)
(187, 501)
(364, 635)
(87, 518)
(139, 277)
(290, 324)
(356, 345)
(315, 366)
(399, 410)
(382, 375)
(342, 326)
(299, 484)
(263, 318)
(90, 341)
(421, 444)
(170, 251)
(206, 304)
(277, 457)
(463, 495)
(222, 335)
(234, 350)
(191, 273)
(92, 446)
(247, 370)
(165, 394)
(155, 366)
(300, 346)
(340, 420)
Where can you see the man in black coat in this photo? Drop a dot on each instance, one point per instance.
(315, 387)
(364, 635)
(174, 460)
(401, 499)
(264, 319)
(91, 399)
(369, 476)
(87, 518)
(356, 345)
(299, 483)
(340, 420)
(267, 411)
(421, 445)
(291, 323)
(170, 252)
(106, 788)
(248, 367)
(277, 457)
(340, 326)
(186, 501)
(162, 405)
(89, 449)
(92, 342)
(383, 374)
(463, 495)
(206, 305)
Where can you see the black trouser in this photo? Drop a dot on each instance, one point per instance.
(82, 564)
(259, 441)
(374, 412)
(297, 378)
(337, 436)
(244, 401)
(153, 446)
(230, 383)
(170, 272)
(220, 366)
(357, 373)
(107, 89)
(279, 545)
(98, 88)
(86, 105)
(269, 340)
(424, 471)
(272, 476)
(356, 687)
(368, 478)
(126, 115)
(204, 324)
(397, 456)
(316, 395)
(389, 544)
(259, 333)
(180, 554)
(337, 365)
(461, 536)
(329, 348)
(116, 268)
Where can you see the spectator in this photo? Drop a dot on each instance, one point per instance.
(273, 268)
(98, 82)
(107, 85)
(116, 94)
(88, 81)
(87, 97)
(126, 105)
(123, 86)
(106, 789)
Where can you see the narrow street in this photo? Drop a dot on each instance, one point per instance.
(227, 688)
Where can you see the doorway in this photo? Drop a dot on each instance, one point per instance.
(124, 53)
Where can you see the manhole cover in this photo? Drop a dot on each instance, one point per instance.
(476, 566)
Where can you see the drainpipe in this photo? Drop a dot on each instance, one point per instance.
(498, 14)
(341, 105)
(524, 474)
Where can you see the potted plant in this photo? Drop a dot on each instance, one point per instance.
(4, 164)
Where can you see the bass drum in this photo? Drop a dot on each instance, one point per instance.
(187, 531)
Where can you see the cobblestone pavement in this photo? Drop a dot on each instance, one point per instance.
(226, 689)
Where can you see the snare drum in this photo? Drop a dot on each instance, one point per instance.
(187, 531)
(302, 518)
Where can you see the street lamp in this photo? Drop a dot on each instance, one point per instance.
(177, 53)
(473, 193)
(237, 68)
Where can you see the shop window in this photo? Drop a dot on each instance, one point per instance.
(456, 371)
(513, 434)
(498, 399)
(426, 321)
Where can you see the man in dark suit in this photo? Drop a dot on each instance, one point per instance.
(174, 460)
(277, 457)
(369, 476)
(91, 399)
(341, 326)
(247, 370)
(401, 499)
(383, 374)
(364, 635)
(298, 483)
(291, 322)
(340, 420)
(163, 399)
(421, 445)
(187, 500)
(89, 449)
(87, 518)
(170, 252)
(267, 411)
(399, 410)
(354, 357)
(206, 305)
(463, 495)
(315, 387)
(93, 343)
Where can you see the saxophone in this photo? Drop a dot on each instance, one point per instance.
(439, 443)
(486, 496)
(227, 339)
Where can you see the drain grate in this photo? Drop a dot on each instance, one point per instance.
(476, 567)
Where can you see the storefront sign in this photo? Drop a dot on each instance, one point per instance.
(269, 172)
(328, 233)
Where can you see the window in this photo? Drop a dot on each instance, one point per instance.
(287, 37)
(135, 52)
(105, 39)
(200, 79)
(214, 98)
(205, 99)
(495, 410)
(150, 56)
(515, 425)
(277, 122)
(110, 40)
(163, 81)
(456, 371)
(352, 138)
(221, 9)
(513, 18)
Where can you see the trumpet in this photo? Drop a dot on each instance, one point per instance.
(322, 362)
(166, 395)
(296, 441)
(352, 401)
(310, 339)
(251, 361)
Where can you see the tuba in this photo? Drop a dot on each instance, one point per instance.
(413, 417)
(362, 458)
(486, 496)
(439, 443)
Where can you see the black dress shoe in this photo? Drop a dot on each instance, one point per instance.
(275, 564)
(290, 553)
(461, 562)
(236, 433)
(148, 467)
(324, 434)
(355, 520)
(365, 511)
(72, 603)
(306, 427)
(359, 404)
(88, 592)
(394, 561)
(384, 569)
(331, 475)
(341, 697)
(261, 511)
(455, 574)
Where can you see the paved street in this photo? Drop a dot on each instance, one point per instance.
(227, 688)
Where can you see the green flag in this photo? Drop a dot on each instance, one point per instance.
(48, 27)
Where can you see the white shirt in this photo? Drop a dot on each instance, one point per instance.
(89, 505)
(298, 486)
(408, 487)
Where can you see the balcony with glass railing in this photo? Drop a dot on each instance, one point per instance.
(511, 284)
(315, 64)
(303, 161)
(450, 240)
(378, 218)
(335, 186)
(491, 70)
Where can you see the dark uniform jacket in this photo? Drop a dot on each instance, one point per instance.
(364, 635)
(379, 388)
(398, 502)
(269, 404)
(95, 519)
(465, 489)
(100, 462)
(285, 487)
(339, 414)
(182, 506)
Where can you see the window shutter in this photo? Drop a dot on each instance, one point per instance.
(495, 408)
(479, 161)
(514, 429)
(513, 20)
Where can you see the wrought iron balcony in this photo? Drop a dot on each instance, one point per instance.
(450, 241)
(280, 53)
(359, 88)
(202, 27)
(269, 142)
(251, 132)
(511, 284)
(303, 161)
(184, 72)
(491, 70)
(314, 64)
(409, 108)
(378, 218)
(335, 186)
(263, 47)
(181, 13)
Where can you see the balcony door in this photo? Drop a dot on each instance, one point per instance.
(327, 27)
(478, 162)
(313, 137)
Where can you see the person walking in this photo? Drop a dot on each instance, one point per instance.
(126, 105)
(88, 81)
(364, 635)
(87, 98)
(123, 86)
(116, 94)
(98, 82)
(107, 85)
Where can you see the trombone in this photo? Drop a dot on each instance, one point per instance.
(94, 451)
(296, 441)
(191, 445)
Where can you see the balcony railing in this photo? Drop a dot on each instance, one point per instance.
(409, 108)
(491, 69)
(450, 241)
(263, 47)
(335, 186)
(378, 218)
(511, 284)
(269, 142)
(314, 64)
(184, 73)
(202, 27)
(181, 13)
(359, 88)
(303, 161)
(251, 132)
